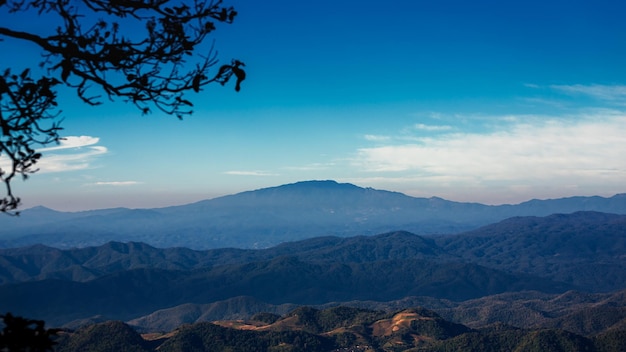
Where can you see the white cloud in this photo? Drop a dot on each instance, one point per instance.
(376, 138)
(116, 183)
(423, 127)
(611, 93)
(73, 142)
(73, 153)
(550, 153)
(249, 173)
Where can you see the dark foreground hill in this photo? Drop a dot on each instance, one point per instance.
(269, 216)
(338, 329)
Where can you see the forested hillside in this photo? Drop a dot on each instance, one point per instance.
(338, 329)
(126, 281)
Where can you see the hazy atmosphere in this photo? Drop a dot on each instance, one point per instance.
(485, 101)
(320, 176)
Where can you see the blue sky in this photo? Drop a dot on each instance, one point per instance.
(486, 101)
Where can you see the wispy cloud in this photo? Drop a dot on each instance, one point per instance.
(116, 183)
(611, 93)
(532, 85)
(73, 153)
(249, 173)
(73, 142)
(376, 138)
(432, 128)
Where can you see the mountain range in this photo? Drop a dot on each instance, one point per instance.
(583, 251)
(266, 217)
(324, 266)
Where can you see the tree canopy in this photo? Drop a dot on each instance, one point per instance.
(149, 53)
(21, 334)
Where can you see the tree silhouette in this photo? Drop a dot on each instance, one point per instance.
(20, 334)
(145, 52)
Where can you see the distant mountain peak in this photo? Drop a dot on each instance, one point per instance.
(305, 189)
(316, 182)
(41, 208)
(327, 184)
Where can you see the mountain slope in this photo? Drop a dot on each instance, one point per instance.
(83, 264)
(230, 309)
(134, 293)
(582, 248)
(578, 312)
(339, 329)
(106, 336)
